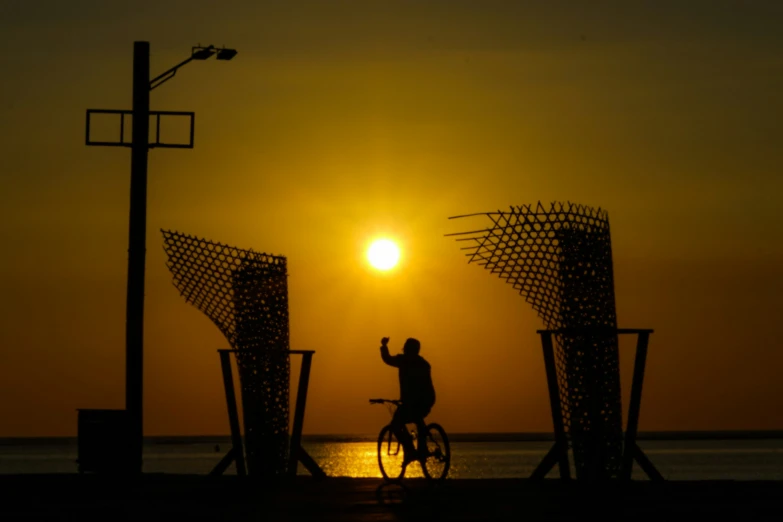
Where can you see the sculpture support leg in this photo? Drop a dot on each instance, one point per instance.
(224, 463)
(557, 454)
(298, 454)
(635, 406)
(233, 415)
(561, 444)
(645, 463)
(301, 401)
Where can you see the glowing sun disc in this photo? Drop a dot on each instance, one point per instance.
(383, 254)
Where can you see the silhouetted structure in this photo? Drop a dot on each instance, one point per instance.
(297, 453)
(137, 230)
(560, 260)
(245, 294)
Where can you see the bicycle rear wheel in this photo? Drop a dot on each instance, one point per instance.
(437, 459)
(390, 455)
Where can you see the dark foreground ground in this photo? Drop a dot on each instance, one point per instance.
(178, 497)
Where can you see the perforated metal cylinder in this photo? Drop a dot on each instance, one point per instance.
(560, 260)
(245, 294)
(261, 308)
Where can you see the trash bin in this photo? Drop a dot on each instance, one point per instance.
(104, 441)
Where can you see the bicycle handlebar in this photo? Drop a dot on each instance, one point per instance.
(381, 401)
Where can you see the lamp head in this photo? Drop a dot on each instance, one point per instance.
(202, 53)
(226, 54)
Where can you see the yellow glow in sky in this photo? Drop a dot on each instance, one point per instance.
(342, 123)
(383, 254)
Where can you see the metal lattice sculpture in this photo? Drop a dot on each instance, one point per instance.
(560, 260)
(245, 294)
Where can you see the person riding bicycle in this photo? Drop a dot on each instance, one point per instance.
(417, 394)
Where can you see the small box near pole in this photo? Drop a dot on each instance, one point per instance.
(104, 443)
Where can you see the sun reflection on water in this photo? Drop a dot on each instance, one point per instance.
(468, 460)
(356, 459)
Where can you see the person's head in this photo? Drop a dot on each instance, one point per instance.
(411, 347)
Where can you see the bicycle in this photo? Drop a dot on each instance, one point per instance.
(435, 459)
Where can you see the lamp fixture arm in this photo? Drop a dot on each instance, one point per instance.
(163, 77)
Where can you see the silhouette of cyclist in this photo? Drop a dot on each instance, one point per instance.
(417, 393)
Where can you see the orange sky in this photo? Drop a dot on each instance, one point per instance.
(341, 121)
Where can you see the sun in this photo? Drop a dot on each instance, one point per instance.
(383, 254)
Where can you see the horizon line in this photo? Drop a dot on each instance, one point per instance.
(456, 437)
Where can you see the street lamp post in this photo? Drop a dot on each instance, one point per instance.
(137, 240)
(137, 230)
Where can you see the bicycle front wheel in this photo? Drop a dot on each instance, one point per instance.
(390, 455)
(437, 457)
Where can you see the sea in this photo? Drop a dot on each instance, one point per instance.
(679, 456)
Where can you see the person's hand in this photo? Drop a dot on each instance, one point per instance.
(384, 341)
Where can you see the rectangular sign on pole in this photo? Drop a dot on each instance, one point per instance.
(123, 140)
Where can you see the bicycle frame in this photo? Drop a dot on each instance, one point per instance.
(414, 435)
(389, 446)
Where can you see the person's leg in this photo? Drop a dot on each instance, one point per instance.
(421, 436)
(399, 420)
(421, 429)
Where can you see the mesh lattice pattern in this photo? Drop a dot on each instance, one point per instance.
(245, 294)
(560, 260)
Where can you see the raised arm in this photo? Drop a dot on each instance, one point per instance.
(391, 360)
